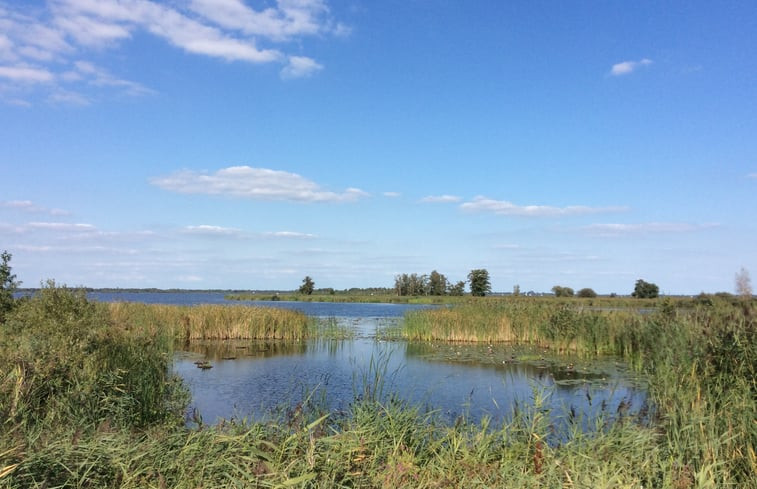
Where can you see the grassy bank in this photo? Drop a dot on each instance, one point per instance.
(86, 401)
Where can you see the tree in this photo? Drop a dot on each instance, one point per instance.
(8, 285)
(457, 289)
(479, 282)
(561, 291)
(744, 284)
(516, 290)
(645, 290)
(437, 283)
(307, 286)
(587, 293)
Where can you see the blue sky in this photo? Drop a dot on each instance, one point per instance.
(246, 144)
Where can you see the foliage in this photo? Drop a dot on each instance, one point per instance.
(561, 291)
(586, 293)
(437, 284)
(479, 282)
(458, 289)
(8, 285)
(307, 286)
(67, 363)
(645, 290)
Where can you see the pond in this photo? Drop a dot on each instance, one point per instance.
(258, 379)
(263, 379)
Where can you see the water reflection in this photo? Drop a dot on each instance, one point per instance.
(252, 379)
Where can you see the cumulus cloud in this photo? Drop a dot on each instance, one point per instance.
(505, 208)
(300, 67)
(615, 229)
(627, 67)
(440, 199)
(40, 46)
(254, 183)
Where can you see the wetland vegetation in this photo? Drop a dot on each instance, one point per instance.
(87, 399)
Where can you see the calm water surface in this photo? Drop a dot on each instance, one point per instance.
(257, 379)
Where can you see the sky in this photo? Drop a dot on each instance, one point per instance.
(245, 144)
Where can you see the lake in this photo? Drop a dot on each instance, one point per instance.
(259, 379)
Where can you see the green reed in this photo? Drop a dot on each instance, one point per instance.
(206, 322)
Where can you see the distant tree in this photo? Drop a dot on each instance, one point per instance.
(645, 290)
(744, 284)
(457, 289)
(516, 290)
(561, 291)
(307, 286)
(8, 285)
(587, 293)
(437, 283)
(479, 282)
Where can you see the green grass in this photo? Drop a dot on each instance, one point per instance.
(86, 401)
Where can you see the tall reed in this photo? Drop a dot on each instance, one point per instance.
(562, 326)
(216, 322)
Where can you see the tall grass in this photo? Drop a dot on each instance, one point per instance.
(211, 322)
(556, 324)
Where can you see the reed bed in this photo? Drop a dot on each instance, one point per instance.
(550, 324)
(212, 322)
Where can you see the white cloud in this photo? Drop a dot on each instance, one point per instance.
(300, 67)
(39, 45)
(627, 67)
(253, 183)
(61, 226)
(29, 206)
(99, 77)
(26, 74)
(440, 199)
(208, 230)
(392, 195)
(289, 234)
(504, 208)
(615, 229)
(288, 19)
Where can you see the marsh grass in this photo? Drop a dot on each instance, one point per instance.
(211, 322)
(561, 326)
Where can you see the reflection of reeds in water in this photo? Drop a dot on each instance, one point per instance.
(206, 322)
